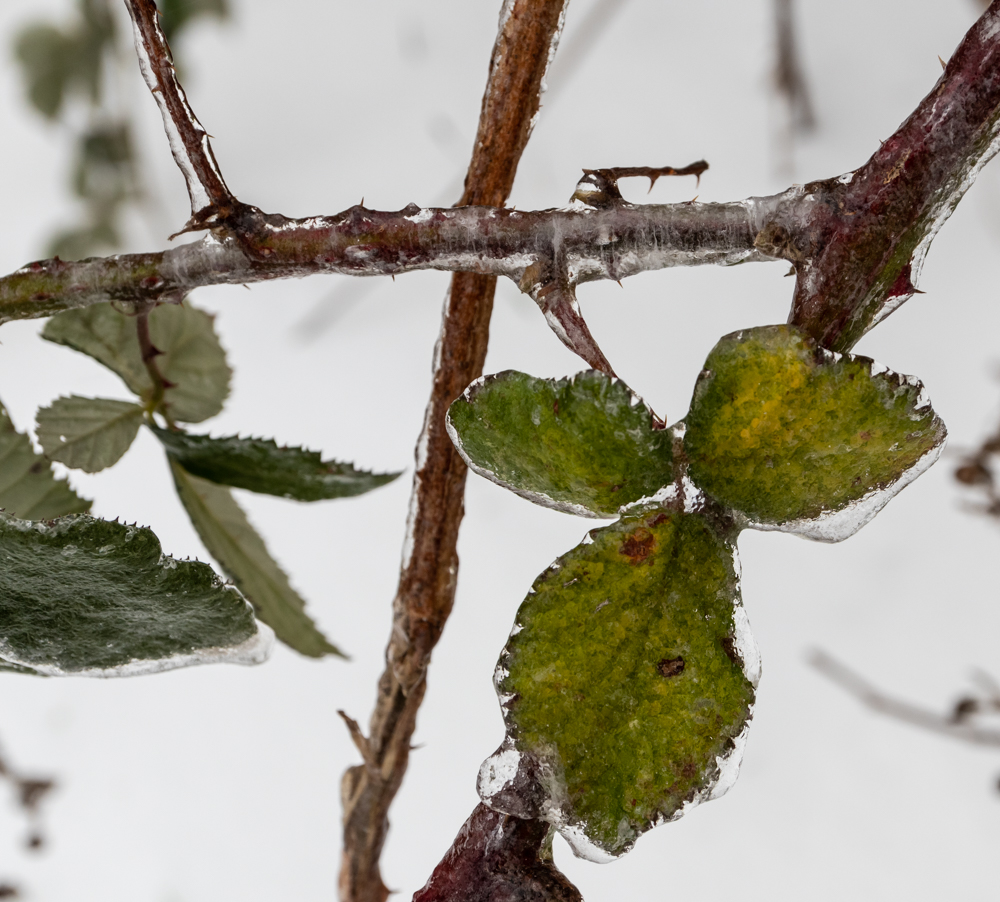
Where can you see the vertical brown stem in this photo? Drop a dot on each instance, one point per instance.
(529, 30)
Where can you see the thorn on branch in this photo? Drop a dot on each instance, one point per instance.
(557, 301)
(362, 744)
(599, 187)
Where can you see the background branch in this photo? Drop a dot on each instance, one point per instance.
(955, 727)
(528, 34)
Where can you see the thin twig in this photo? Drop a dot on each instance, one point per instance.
(948, 725)
(789, 78)
(529, 30)
(149, 352)
(189, 143)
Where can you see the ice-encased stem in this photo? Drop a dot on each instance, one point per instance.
(528, 33)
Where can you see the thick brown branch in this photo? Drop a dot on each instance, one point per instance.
(858, 256)
(528, 33)
(189, 142)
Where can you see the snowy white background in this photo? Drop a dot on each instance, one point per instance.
(222, 783)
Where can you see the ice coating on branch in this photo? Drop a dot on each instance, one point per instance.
(198, 191)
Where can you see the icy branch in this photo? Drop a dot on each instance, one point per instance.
(609, 243)
(189, 143)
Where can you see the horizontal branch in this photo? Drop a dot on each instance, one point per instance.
(608, 243)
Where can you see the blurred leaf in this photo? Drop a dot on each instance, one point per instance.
(176, 14)
(54, 60)
(192, 359)
(623, 678)
(103, 170)
(242, 554)
(781, 429)
(82, 595)
(102, 332)
(44, 53)
(88, 434)
(28, 488)
(261, 466)
(584, 445)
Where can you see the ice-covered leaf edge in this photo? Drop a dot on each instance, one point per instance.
(831, 524)
(253, 650)
(205, 457)
(534, 496)
(537, 791)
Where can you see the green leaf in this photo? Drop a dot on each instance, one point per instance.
(44, 53)
(102, 332)
(624, 682)
(242, 554)
(261, 466)
(85, 596)
(88, 434)
(28, 489)
(784, 431)
(192, 360)
(177, 14)
(583, 445)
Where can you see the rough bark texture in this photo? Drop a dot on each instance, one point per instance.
(858, 256)
(526, 40)
(496, 858)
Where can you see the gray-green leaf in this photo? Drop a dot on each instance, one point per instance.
(241, 552)
(261, 466)
(584, 445)
(88, 434)
(28, 489)
(193, 360)
(85, 596)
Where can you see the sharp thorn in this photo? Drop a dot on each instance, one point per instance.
(942, 62)
(619, 281)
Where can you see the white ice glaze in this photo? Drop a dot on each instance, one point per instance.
(254, 650)
(835, 526)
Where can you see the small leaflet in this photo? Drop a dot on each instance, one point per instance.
(242, 554)
(88, 434)
(260, 465)
(87, 597)
(627, 684)
(804, 440)
(584, 445)
(28, 488)
(192, 359)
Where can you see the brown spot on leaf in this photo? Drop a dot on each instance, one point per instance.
(555, 408)
(671, 667)
(658, 519)
(638, 546)
(729, 647)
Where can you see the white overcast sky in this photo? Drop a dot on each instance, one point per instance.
(222, 783)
